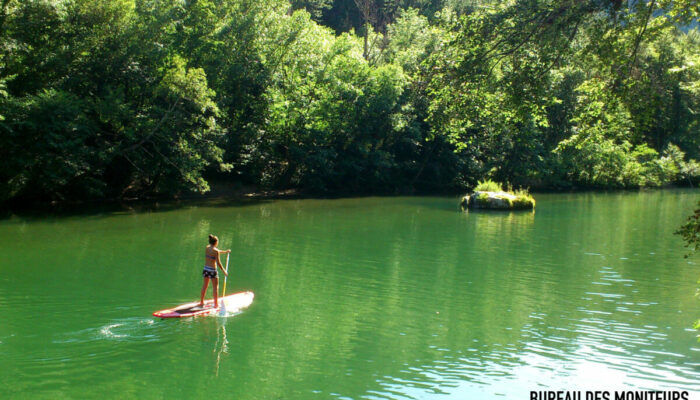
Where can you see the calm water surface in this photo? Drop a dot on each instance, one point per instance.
(374, 298)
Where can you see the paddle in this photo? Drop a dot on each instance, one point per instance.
(222, 310)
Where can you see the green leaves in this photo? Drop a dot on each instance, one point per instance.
(330, 113)
(189, 85)
(145, 98)
(102, 111)
(690, 231)
(46, 147)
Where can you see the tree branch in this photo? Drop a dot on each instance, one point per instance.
(155, 129)
(638, 40)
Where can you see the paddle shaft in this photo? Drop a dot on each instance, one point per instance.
(223, 293)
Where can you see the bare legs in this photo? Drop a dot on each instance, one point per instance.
(215, 287)
(204, 291)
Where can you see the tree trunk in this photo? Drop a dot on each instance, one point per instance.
(365, 52)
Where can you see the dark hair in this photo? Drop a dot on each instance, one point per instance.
(213, 239)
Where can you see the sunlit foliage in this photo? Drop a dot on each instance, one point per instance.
(133, 98)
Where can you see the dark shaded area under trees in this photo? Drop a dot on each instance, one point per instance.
(139, 98)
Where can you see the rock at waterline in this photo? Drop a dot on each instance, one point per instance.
(497, 201)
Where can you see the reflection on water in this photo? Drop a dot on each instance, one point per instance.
(396, 298)
(219, 349)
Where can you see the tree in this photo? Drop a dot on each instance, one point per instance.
(96, 108)
(690, 231)
(130, 98)
(314, 7)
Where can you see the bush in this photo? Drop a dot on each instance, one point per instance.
(523, 199)
(482, 200)
(487, 185)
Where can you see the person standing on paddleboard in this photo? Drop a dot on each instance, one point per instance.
(211, 261)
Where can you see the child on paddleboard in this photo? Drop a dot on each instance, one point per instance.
(211, 261)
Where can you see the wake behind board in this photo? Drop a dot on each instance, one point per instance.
(234, 302)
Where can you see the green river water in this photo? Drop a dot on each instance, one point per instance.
(371, 298)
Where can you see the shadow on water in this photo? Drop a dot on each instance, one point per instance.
(33, 212)
(103, 209)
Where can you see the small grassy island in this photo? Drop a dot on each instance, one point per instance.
(490, 194)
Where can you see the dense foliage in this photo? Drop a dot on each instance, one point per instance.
(127, 98)
(690, 231)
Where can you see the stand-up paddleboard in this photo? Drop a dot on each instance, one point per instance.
(233, 303)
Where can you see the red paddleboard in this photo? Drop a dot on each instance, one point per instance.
(234, 302)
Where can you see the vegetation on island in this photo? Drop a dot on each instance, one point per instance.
(132, 98)
(491, 194)
(487, 185)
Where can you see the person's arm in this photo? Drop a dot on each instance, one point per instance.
(218, 261)
(222, 251)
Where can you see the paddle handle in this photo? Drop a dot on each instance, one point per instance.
(223, 293)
